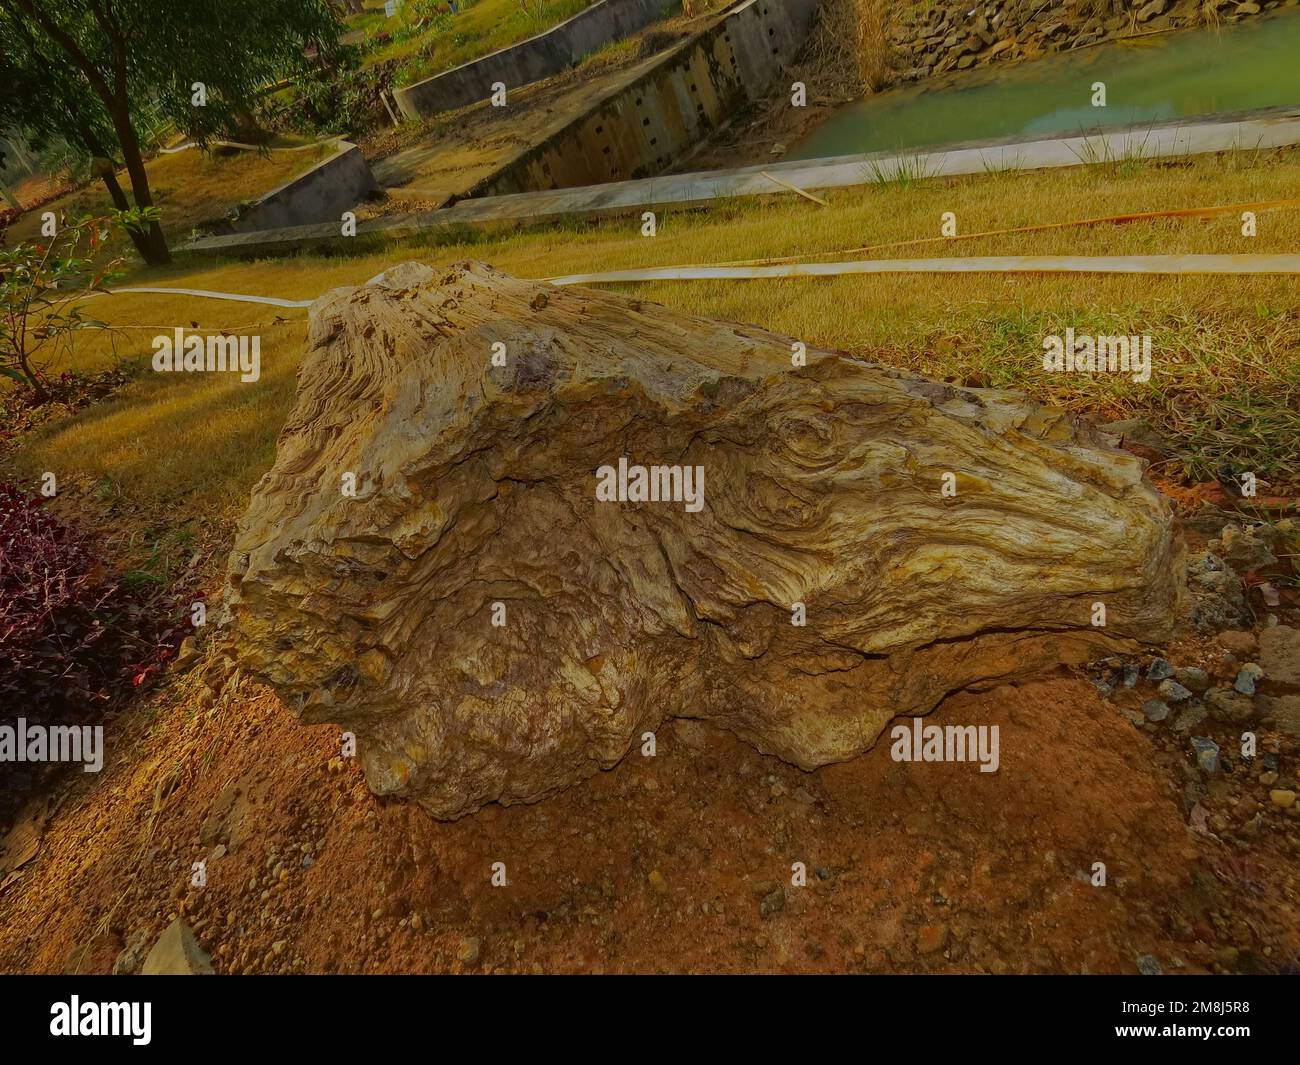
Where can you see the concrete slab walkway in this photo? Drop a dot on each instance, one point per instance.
(1274, 128)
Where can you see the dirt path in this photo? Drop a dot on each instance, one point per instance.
(679, 862)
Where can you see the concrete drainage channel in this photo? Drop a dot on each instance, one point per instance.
(641, 127)
(637, 125)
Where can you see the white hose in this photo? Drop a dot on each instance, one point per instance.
(998, 264)
(1002, 264)
(273, 301)
(250, 147)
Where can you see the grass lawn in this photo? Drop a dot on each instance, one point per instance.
(189, 187)
(429, 45)
(1225, 385)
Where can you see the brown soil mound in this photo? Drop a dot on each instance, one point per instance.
(679, 862)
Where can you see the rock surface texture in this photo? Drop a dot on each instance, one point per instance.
(177, 953)
(823, 485)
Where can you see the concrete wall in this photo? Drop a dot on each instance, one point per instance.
(322, 194)
(531, 60)
(650, 123)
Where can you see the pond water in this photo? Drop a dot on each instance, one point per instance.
(1157, 78)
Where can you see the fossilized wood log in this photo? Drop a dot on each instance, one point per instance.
(823, 486)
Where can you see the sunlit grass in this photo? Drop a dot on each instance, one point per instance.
(479, 28)
(1225, 386)
(189, 187)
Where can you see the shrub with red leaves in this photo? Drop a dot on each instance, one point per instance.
(71, 641)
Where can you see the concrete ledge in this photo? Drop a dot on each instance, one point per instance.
(531, 60)
(324, 192)
(1211, 133)
(665, 108)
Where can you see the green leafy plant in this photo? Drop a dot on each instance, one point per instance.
(40, 285)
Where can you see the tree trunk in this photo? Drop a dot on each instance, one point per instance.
(39, 393)
(103, 166)
(153, 246)
(247, 129)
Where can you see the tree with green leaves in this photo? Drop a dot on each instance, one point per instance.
(84, 69)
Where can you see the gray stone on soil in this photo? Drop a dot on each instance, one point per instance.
(1105, 686)
(1247, 678)
(1244, 548)
(1129, 675)
(1230, 706)
(1192, 677)
(1207, 754)
(1155, 711)
(1173, 691)
(1220, 597)
(177, 953)
(1160, 670)
(1149, 965)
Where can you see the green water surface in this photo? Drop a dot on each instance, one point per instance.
(1153, 79)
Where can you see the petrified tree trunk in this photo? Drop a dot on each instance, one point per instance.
(823, 486)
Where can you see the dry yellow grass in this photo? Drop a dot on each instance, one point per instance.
(189, 187)
(1226, 385)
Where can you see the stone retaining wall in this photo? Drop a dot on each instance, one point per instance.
(531, 60)
(959, 35)
(322, 194)
(643, 127)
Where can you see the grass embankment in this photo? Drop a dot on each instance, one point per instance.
(429, 45)
(1225, 385)
(190, 187)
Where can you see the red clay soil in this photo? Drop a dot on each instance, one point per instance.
(676, 863)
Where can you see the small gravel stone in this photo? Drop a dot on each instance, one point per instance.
(1160, 670)
(772, 904)
(1149, 965)
(1248, 678)
(1207, 754)
(1104, 685)
(1230, 706)
(469, 950)
(1284, 799)
(1155, 711)
(1173, 691)
(1189, 717)
(1192, 677)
